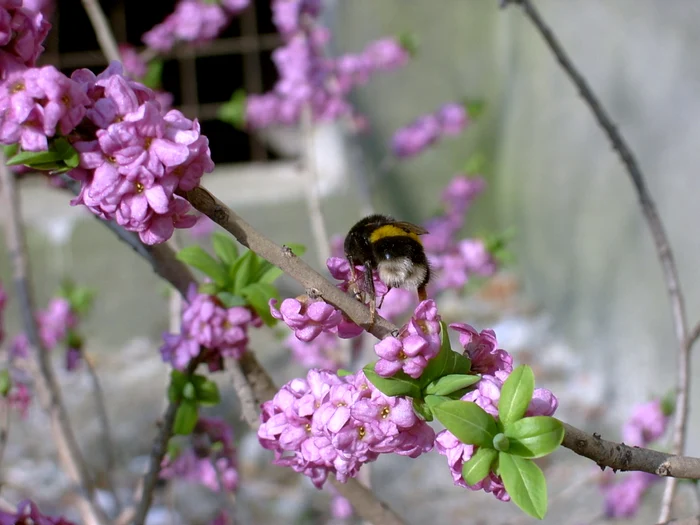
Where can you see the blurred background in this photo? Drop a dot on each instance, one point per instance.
(583, 300)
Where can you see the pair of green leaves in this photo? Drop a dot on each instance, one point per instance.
(237, 280)
(508, 445)
(81, 298)
(445, 375)
(191, 392)
(59, 158)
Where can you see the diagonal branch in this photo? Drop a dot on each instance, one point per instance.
(47, 388)
(658, 233)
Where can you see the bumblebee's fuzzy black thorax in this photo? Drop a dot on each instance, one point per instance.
(393, 248)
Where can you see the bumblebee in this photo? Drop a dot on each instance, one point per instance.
(394, 249)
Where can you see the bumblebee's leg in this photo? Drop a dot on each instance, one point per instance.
(353, 280)
(381, 301)
(369, 285)
(422, 294)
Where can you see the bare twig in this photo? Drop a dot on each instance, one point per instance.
(661, 243)
(313, 198)
(4, 427)
(158, 450)
(47, 388)
(107, 441)
(104, 34)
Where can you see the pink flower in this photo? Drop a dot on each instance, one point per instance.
(307, 318)
(28, 512)
(322, 352)
(461, 192)
(134, 66)
(55, 321)
(210, 327)
(22, 32)
(19, 398)
(416, 137)
(544, 403)
(482, 349)
(211, 460)
(138, 157)
(418, 342)
(457, 453)
(476, 257)
(453, 118)
(622, 500)
(647, 424)
(37, 103)
(192, 21)
(328, 424)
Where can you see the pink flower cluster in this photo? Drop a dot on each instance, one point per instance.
(210, 460)
(417, 343)
(328, 424)
(646, 425)
(193, 21)
(28, 512)
(454, 260)
(309, 79)
(495, 365)
(37, 103)
(209, 327)
(411, 140)
(22, 32)
(131, 167)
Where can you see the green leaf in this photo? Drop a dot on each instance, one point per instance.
(196, 257)
(230, 300)
(525, 484)
(399, 384)
(185, 418)
(225, 248)
(178, 380)
(189, 392)
(475, 164)
(409, 42)
(466, 420)
(32, 158)
(479, 465)
(475, 108)
(447, 362)
(516, 394)
(208, 289)
(5, 382)
(534, 437)
(343, 373)
(449, 384)
(242, 271)
(422, 409)
(206, 391)
(233, 112)
(154, 74)
(258, 296)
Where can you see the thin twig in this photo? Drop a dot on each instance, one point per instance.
(158, 450)
(661, 242)
(107, 441)
(4, 427)
(105, 37)
(47, 388)
(313, 197)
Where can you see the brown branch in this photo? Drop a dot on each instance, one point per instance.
(47, 388)
(658, 233)
(283, 258)
(619, 456)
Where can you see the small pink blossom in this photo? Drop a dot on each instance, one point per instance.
(28, 512)
(482, 349)
(623, 499)
(307, 318)
(647, 424)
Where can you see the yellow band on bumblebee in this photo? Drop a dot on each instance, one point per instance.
(391, 231)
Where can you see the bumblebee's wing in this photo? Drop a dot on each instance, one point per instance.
(418, 230)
